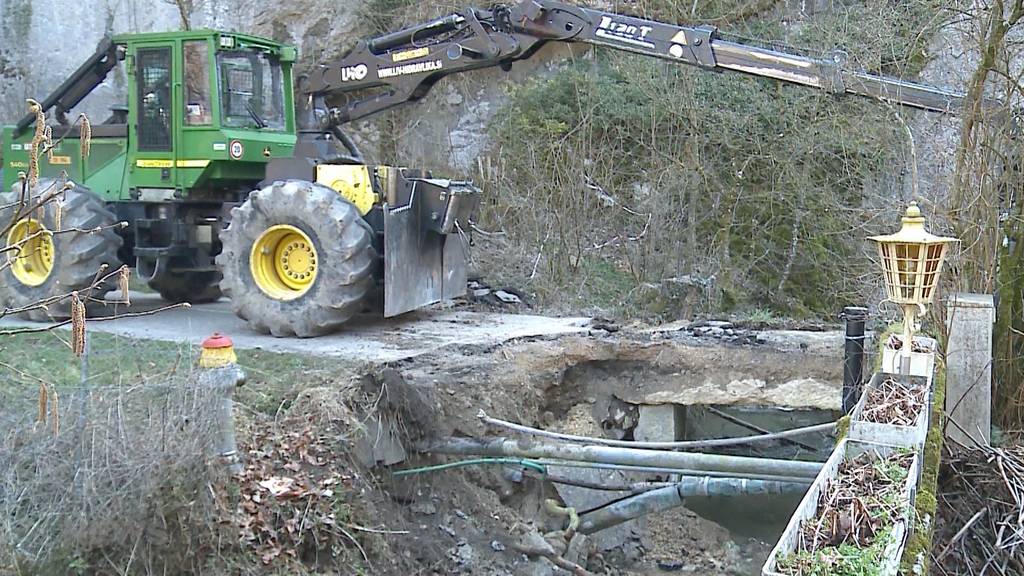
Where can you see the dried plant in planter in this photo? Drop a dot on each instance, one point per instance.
(918, 346)
(856, 513)
(894, 403)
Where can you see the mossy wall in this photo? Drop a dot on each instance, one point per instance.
(618, 171)
(917, 554)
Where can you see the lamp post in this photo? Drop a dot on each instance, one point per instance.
(911, 266)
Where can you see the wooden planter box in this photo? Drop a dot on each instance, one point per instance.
(901, 527)
(893, 435)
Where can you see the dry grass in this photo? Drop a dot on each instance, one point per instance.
(120, 483)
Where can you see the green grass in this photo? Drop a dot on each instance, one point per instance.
(273, 379)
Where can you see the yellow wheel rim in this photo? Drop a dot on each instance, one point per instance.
(33, 263)
(283, 262)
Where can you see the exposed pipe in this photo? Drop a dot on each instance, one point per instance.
(670, 497)
(687, 444)
(853, 356)
(676, 471)
(627, 456)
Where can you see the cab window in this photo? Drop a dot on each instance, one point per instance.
(251, 89)
(197, 83)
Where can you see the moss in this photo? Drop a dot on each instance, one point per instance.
(916, 555)
(842, 427)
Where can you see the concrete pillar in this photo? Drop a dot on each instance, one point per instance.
(969, 318)
(660, 423)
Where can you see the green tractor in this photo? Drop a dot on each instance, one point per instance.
(221, 193)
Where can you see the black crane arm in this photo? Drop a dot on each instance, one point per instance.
(403, 66)
(79, 85)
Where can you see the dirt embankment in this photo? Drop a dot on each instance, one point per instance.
(479, 519)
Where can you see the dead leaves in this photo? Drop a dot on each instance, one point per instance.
(894, 403)
(293, 501)
(856, 506)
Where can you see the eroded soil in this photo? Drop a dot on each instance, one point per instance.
(479, 519)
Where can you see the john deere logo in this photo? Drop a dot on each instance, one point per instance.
(236, 149)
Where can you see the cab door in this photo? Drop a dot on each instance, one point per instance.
(154, 122)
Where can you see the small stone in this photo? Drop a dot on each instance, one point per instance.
(507, 297)
(454, 99)
(497, 546)
(461, 514)
(481, 292)
(671, 565)
(446, 530)
(424, 508)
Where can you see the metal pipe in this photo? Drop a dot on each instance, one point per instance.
(670, 497)
(631, 457)
(629, 508)
(675, 471)
(853, 356)
(691, 444)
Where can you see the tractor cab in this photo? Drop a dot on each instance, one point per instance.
(206, 111)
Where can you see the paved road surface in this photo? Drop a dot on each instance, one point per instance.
(369, 338)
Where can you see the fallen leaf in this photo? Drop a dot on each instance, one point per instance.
(278, 485)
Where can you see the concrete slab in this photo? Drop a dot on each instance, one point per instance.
(367, 338)
(660, 423)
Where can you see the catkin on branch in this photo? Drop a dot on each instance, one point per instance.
(41, 417)
(48, 143)
(54, 414)
(122, 284)
(86, 132)
(37, 140)
(77, 325)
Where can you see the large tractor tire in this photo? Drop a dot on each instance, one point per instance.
(298, 259)
(191, 287)
(51, 265)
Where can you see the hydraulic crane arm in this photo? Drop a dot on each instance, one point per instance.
(403, 66)
(79, 85)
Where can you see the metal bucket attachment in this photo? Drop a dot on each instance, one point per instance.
(422, 265)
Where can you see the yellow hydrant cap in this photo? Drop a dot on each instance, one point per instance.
(218, 351)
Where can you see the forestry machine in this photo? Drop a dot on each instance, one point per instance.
(233, 181)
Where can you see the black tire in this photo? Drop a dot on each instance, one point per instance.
(346, 259)
(191, 287)
(78, 256)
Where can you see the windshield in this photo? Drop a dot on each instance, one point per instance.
(251, 90)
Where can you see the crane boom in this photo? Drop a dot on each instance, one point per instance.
(403, 66)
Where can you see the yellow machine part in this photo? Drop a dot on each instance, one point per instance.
(32, 262)
(353, 182)
(283, 262)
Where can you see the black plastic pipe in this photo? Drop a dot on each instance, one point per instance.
(853, 356)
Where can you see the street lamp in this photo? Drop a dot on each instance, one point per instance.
(911, 265)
